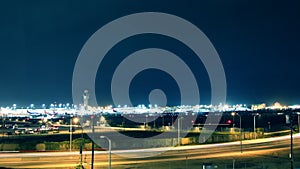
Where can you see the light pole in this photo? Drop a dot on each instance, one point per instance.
(146, 124)
(233, 163)
(179, 128)
(3, 123)
(71, 130)
(241, 142)
(109, 149)
(154, 119)
(298, 122)
(291, 146)
(76, 120)
(93, 144)
(254, 125)
(186, 161)
(163, 121)
(81, 144)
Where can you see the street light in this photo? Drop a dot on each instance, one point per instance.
(75, 120)
(291, 146)
(3, 123)
(254, 124)
(179, 128)
(241, 142)
(298, 113)
(109, 149)
(146, 124)
(93, 143)
(71, 129)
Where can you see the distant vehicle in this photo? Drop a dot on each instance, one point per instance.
(43, 129)
(19, 132)
(37, 130)
(9, 133)
(8, 126)
(24, 131)
(29, 131)
(15, 126)
(207, 166)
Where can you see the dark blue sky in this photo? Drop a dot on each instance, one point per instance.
(258, 43)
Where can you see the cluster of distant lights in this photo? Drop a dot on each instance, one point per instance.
(44, 106)
(150, 106)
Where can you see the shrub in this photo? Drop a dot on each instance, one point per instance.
(40, 147)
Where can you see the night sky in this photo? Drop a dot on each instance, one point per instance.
(258, 43)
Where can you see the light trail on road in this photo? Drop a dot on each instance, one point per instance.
(263, 148)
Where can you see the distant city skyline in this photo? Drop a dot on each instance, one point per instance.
(258, 44)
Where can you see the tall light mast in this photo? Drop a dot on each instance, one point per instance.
(85, 99)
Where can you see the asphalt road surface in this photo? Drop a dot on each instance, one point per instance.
(271, 153)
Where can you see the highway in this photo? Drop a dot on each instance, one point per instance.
(268, 153)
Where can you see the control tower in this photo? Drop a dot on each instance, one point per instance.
(85, 99)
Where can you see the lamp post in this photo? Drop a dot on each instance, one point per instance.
(76, 120)
(154, 119)
(186, 161)
(71, 130)
(109, 149)
(81, 144)
(93, 144)
(163, 121)
(254, 125)
(3, 123)
(298, 122)
(146, 124)
(179, 128)
(291, 146)
(241, 142)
